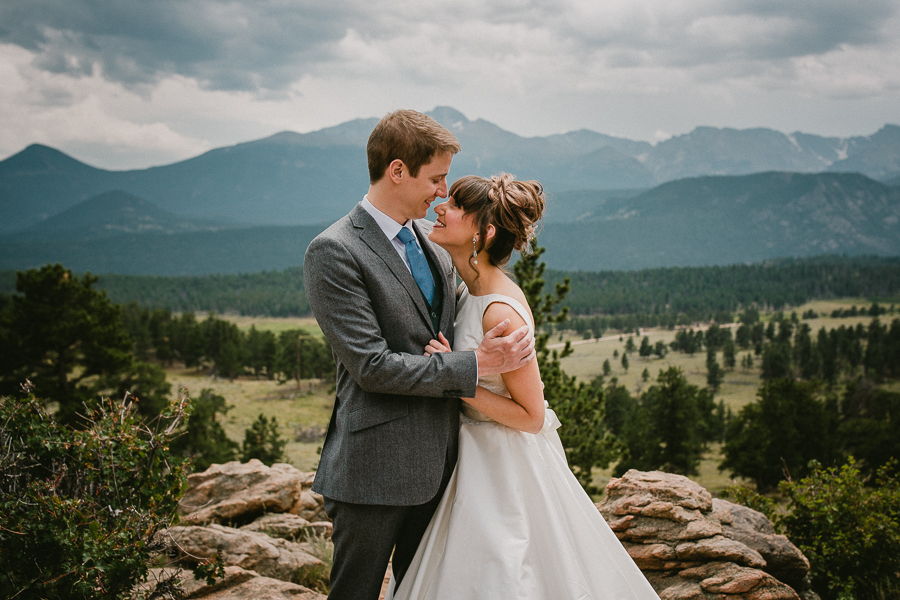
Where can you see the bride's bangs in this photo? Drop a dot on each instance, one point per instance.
(466, 192)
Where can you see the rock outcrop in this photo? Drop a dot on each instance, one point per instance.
(238, 584)
(238, 493)
(784, 561)
(254, 551)
(692, 547)
(260, 521)
(265, 521)
(288, 527)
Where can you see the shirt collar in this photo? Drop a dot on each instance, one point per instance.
(389, 226)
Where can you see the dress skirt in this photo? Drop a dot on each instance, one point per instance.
(515, 524)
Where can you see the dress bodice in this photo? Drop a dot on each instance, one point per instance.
(469, 331)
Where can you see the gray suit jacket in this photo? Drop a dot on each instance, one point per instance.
(396, 413)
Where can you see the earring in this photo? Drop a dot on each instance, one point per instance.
(474, 251)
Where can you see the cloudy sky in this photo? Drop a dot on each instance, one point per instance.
(134, 83)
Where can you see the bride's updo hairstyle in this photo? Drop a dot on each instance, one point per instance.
(512, 207)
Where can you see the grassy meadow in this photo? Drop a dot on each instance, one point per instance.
(303, 413)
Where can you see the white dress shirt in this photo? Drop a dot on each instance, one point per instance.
(391, 228)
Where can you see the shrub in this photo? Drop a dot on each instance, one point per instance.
(849, 532)
(317, 577)
(82, 508)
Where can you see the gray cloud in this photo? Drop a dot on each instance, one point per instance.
(268, 44)
(693, 33)
(263, 44)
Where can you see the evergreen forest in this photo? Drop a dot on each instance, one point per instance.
(645, 298)
(819, 436)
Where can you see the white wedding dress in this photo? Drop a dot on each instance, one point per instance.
(514, 523)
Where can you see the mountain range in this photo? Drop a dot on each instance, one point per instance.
(303, 179)
(713, 196)
(728, 220)
(690, 222)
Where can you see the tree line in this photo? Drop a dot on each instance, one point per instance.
(773, 284)
(160, 335)
(663, 297)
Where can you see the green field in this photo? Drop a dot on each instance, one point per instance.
(274, 324)
(305, 408)
(310, 407)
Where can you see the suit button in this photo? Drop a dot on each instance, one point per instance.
(434, 315)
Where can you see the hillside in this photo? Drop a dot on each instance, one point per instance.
(726, 220)
(247, 250)
(312, 178)
(690, 222)
(107, 215)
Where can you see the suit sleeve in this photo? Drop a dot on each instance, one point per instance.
(340, 301)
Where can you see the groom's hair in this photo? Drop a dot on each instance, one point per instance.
(411, 136)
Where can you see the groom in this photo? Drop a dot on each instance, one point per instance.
(380, 291)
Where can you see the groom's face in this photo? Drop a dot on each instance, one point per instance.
(417, 193)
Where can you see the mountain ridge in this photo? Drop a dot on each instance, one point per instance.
(307, 178)
(109, 214)
(710, 220)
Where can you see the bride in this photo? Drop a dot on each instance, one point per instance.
(513, 523)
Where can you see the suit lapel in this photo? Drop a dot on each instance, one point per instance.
(374, 238)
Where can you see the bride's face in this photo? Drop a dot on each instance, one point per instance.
(453, 228)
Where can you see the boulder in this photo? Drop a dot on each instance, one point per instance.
(288, 526)
(692, 547)
(784, 561)
(237, 493)
(250, 550)
(718, 581)
(238, 584)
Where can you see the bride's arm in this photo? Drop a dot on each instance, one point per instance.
(525, 410)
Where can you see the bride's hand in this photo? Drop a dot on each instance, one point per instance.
(439, 345)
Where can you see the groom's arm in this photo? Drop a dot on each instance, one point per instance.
(343, 308)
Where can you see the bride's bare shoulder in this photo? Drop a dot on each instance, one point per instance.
(496, 312)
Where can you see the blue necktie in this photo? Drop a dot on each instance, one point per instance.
(418, 264)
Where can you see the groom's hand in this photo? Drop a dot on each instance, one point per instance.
(502, 354)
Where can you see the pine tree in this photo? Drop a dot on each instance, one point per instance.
(780, 433)
(203, 440)
(728, 354)
(69, 341)
(646, 349)
(578, 405)
(262, 441)
(669, 429)
(714, 374)
(660, 349)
